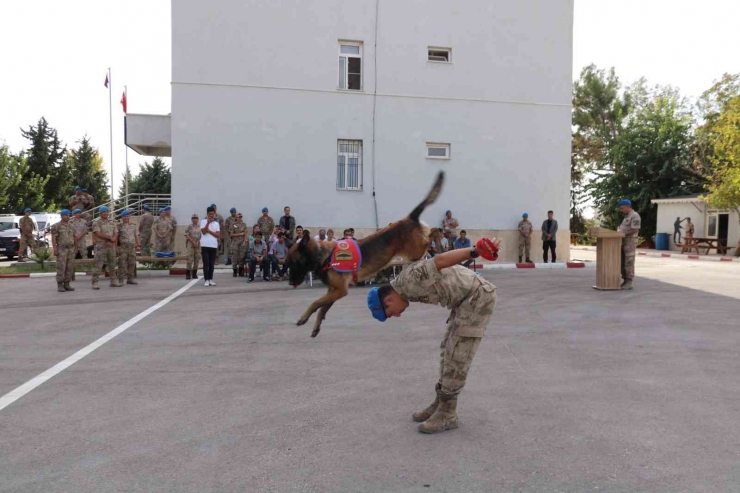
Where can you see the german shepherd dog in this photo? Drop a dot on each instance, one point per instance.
(408, 238)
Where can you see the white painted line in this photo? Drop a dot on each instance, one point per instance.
(19, 392)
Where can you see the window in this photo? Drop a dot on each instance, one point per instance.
(350, 66)
(349, 165)
(443, 55)
(438, 151)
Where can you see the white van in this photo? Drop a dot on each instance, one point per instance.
(10, 234)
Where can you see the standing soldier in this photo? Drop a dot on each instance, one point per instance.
(266, 224)
(173, 223)
(525, 237)
(27, 227)
(230, 221)
(77, 200)
(239, 245)
(192, 247)
(106, 236)
(630, 227)
(472, 299)
(128, 236)
(163, 232)
(145, 229)
(80, 228)
(63, 241)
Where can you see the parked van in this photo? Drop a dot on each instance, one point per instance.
(10, 235)
(44, 221)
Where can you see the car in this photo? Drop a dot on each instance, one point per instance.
(10, 234)
(44, 221)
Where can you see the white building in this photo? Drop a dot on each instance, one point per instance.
(346, 111)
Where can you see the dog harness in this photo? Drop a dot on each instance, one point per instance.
(346, 257)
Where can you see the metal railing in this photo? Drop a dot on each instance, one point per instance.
(134, 202)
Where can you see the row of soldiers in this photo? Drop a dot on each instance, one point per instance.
(160, 229)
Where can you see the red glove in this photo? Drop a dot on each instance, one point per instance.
(486, 249)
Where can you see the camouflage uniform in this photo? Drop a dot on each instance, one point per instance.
(105, 251)
(65, 236)
(173, 220)
(225, 234)
(629, 244)
(267, 226)
(127, 234)
(239, 246)
(472, 300)
(27, 227)
(77, 202)
(193, 253)
(525, 227)
(88, 202)
(162, 226)
(80, 227)
(220, 250)
(145, 231)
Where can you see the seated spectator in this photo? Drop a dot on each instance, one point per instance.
(298, 234)
(255, 228)
(330, 235)
(450, 223)
(274, 236)
(321, 236)
(446, 240)
(351, 232)
(259, 256)
(279, 258)
(463, 242)
(434, 249)
(346, 234)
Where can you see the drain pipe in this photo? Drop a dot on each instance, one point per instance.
(375, 103)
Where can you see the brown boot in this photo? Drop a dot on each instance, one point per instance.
(95, 284)
(444, 418)
(130, 280)
(60, 287)
(114, 282)
(67, 287)
(421, 416)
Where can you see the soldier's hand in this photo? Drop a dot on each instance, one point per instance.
(56, 252)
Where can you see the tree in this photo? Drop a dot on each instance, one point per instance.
(45, 158)
(87, 171)
(724, 157)
(152, 178)
(19, 186)
(126, 176)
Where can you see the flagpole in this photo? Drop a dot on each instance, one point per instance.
(110, 114)
(125, 93)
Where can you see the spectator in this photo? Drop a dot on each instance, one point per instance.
(298, 234)
(351, 232)
(274, 235)
(549, 235)
(450, 223)
(209, 244)
(259, 256)
(266, 224)
(220, 219)
(447, 241)
(346, 234)
(279, 257)
(464, 242)
(321, 236)
(330, 235)
(287, 222)
(255, 229)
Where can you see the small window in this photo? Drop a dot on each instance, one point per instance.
(438, 151)
(350, 66)
(349, 165)
(443, 55)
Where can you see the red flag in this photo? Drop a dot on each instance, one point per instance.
(106, 80)
(123, 103)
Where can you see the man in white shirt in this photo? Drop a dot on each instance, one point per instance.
(321, 236)
(211, 231)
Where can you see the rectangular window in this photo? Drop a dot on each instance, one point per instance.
(349, 165)
(438, 151)
(439, 54)
(350, 66)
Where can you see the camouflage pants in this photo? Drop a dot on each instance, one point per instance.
(126, 261)
(228, 245)
(65, 264)
(193, 257)
(524, 245)
(162, 244)
(26, 241)
(81, 247)
(104, 255)
(144, 242)
(238, 253)
(466, 327)
(628, 258)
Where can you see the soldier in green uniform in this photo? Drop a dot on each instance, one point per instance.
(525, 237)
(227, 240)
(145, 229)
(162, 232)
(239, 243)
(106, 237)
(472, 299)
(128, 245)
(63, 242)
(630, 227)
(173, 223)
(192, 247)
(27, 227)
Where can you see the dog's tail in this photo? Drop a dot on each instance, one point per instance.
(431, 197)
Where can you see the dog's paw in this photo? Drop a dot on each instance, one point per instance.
(316, 331)
(302, 321)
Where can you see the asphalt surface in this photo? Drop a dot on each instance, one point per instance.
(571, 390)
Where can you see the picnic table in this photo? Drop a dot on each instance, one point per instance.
(707, 243)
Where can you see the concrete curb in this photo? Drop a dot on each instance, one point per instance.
(566, 265)
(657, 254)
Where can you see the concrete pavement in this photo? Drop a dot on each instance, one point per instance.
(218, 391)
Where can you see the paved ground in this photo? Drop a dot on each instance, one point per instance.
(572, 389)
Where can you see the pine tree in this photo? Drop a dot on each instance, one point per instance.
(152, 178)
(19, 186)
(87, 171)
(126, 176)
(45, 158)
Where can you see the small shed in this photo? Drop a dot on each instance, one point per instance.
(708, 222)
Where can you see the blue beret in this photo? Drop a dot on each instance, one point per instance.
(27, 209)
(64, 212)
(375, 305)
(84, 189)
(233, 209)
(167, 208)
(264, 209)
(125, 213)
(77, 188)
(78, 211)
(161, 210)
(146, 208)
(214, 206)
(624, 202)
(447, 212)
(103, 209)
(526, 214)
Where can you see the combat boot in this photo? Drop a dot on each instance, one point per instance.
(114, 282)
(60, 287)
(67, 287)
(234, 274)
(529, 261)
(195, 274)
(627, 284)
(520, 260)
(130, 280)
(187, 274)
(241, 271)
(421, 416)
(444, 418)
(95, 284)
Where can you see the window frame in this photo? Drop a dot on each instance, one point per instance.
(347, 156)
(346, 57)
(430, 49)
(435, 145)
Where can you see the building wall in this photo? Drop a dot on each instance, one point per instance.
(256, 114)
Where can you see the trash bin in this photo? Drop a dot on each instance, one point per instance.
(661, 241)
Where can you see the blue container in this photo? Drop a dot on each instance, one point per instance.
(661, 241)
